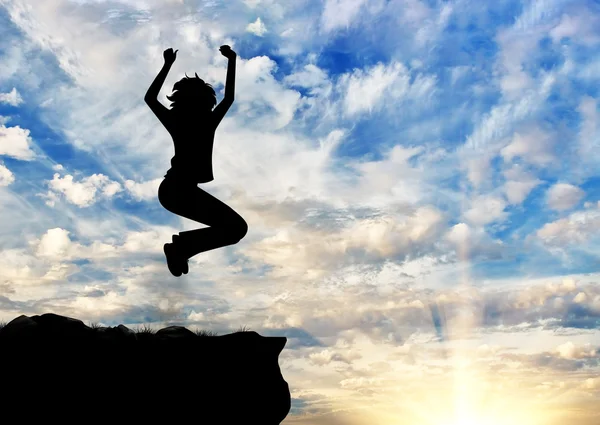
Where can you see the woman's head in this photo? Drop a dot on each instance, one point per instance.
(193, 93)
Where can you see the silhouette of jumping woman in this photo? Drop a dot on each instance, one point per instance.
(192, 122)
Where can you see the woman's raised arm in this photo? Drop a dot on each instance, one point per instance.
(222, 108)
(169, 56)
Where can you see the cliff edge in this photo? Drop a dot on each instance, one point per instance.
(56, 367)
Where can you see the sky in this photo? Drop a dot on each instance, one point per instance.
(419, 178)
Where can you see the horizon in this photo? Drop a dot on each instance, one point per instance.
(419, 178)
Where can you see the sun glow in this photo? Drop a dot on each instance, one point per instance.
(464, 383)
(468, 422)
(480, 421)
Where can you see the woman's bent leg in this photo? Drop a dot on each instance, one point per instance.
(227, 227)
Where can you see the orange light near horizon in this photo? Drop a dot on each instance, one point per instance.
(466, 395)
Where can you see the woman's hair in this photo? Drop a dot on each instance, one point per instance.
(193, 93)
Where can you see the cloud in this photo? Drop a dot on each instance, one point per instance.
(430, 29)
(589, 129)
(150, 240)
(490, 134)
(143, 191)
(579, 24)
(257, 28)
(389, 236)
(514, 52)
(57, 249)
(592, 383)
(358, 241)
(12, 98)
(580, 298)
(519, 183)
(364, 89)
(340, 13)
(400, 177)
(252, 3)
(311, 77)
(325, 357)
(17, 266)
(578, 228)
(564, 196)
(478, 170)
(54, 243)
(83, 193)
(533, 145)
(368, 90)
(486, 209)
(471, 242)
(568, 350)
(15, 142)
(6, 176)
(517, 44)
(263, 102)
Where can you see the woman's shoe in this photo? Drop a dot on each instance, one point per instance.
(173, 262)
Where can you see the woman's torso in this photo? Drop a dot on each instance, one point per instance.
(193, 138)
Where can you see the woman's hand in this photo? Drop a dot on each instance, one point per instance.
(227, 52)
(170, 55)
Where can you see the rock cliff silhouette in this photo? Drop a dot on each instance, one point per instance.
(58, 368)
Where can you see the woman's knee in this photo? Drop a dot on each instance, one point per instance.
(238, 228)
(241, 228)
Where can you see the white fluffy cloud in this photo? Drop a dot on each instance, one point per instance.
(519, 183)
(486, 209)
(578, 24)
(257, 28)
(12, 98)
(82, 193)
(54, 243)
(533, 145)
(478, 170)
(568, 350)
(516, 191)
(311, 77)
(6, 176)
(577, 228)
(16, 265)
(468, 241)
(340, 13)
(143, 191)
(369, 89)
(365, 89)
(564, 196)
(15, 142)
(257, 90)
(390, 236)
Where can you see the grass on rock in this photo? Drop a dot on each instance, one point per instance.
(145, 329)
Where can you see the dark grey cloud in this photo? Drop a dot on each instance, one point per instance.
(553, 361)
